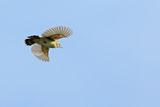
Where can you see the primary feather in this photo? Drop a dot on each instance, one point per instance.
(57, 32)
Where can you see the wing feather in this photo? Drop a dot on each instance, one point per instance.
(57, 32)
(40, 52)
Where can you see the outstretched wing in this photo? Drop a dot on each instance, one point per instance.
(40, 52)
(57, 32)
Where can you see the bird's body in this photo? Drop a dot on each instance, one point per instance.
(49, 39)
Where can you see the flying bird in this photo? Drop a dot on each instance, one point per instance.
(48, 39)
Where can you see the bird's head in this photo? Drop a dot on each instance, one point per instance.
(56, 44)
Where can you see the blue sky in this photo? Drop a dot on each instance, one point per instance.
(111, 60)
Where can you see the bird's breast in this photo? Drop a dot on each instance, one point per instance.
(54, 44)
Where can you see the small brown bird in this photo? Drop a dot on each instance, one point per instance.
(48, 39)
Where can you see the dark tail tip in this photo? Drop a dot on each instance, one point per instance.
(29, 42)
(31, 39)
(34, 37)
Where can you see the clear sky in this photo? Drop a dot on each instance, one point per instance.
(111, 60)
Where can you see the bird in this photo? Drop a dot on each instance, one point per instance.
(40, 45)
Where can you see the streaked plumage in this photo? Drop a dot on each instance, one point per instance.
(48, 39)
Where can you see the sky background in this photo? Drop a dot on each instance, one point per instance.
(111, 60)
